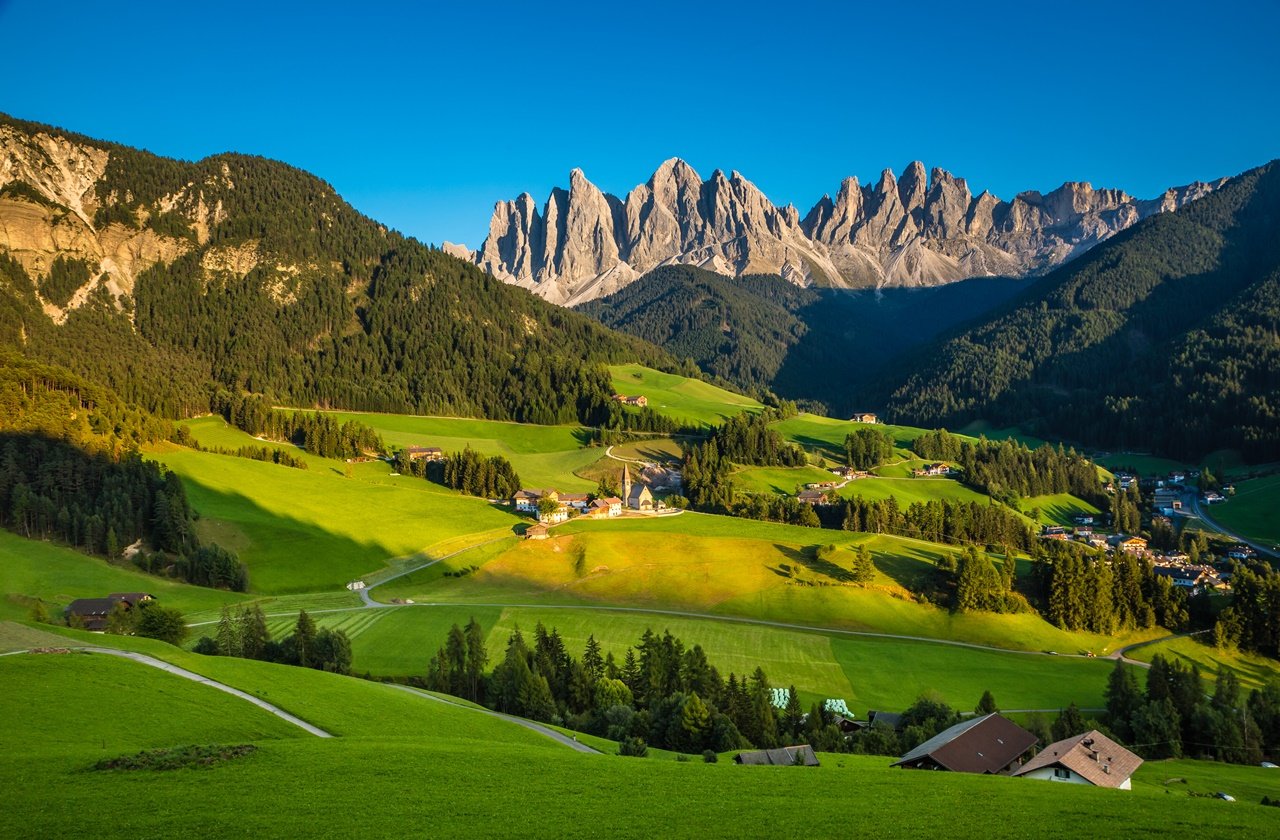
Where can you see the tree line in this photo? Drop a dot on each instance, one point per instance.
(244, 633)
(1008, 469)
(318, 433)
(488, 477)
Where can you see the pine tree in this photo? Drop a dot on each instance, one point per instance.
(1123, 700)
(304, 633)
(986, 705)
(477, 658)
(1069, 723)
(863, 569)
(228, 638)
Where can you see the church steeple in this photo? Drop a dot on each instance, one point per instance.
(626, 484)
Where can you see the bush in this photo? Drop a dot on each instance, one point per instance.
(710, 757)
(634, 747)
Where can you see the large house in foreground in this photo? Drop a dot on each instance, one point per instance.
(987, 744)
(1088, 759)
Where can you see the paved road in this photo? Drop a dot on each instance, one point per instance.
(194, 677)
(1199, 511)
(558, 737)
(369, 602)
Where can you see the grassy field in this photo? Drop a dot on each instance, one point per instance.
(57, 575)
(309, 530)
(678, 397)
(658, 450)
(1150, 465)
(825, 436)
(1058, 509)
(721, 566)
(1253, 670)
(908, 490)
(781, 480)
(544, 456)
(1254, 510)
(59, 701)
(314, 788)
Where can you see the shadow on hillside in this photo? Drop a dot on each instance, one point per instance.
(287, 555)
(916, 576)
(809, 559)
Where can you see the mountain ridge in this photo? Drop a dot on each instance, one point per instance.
(920, 229)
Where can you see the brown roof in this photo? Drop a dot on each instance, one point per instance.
(536, 528)
(1092, 755)
(987, 744)
(802, 756)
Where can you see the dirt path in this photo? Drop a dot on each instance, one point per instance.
(558, 737)
(169, 667)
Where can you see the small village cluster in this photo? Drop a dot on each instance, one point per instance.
(636, 498)
(986, 744)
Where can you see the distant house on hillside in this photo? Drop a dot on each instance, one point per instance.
(640, 400)
(801, 756)
(424, 453)
(812, 497)
(987, 744)
(864, 417)
(94, 613)
(1088, 759)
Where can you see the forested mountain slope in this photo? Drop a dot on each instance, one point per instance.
(821, 346)
(1166, 337)
(167, 281)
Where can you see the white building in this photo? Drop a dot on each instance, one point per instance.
(1088, 759)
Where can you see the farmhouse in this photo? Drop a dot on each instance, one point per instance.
(536, 531)
(94, 613)
(639, 400)
(864, 417)
(577, 501)
(424, 453)
(801, 756)
(1129, 545)
(932, 470)
(987, 744)
(812, 497)
(1088, 759)
(526, 501)
(1188, 577)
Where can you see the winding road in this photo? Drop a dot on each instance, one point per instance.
(1198, 509)
(559, 737)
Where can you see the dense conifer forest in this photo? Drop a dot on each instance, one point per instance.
(333, 309)
(1167, 337)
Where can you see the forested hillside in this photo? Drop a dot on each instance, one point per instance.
(242, 274)
(1166, 338)
(819, 346)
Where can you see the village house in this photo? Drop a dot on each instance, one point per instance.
(987, 744)
(424, 453)
(1054, 532)
(812, 497)
(1129, 545)
(526, 501)
(1088, 759)
(577, 501)
(1167, 501)
(639, 400)
(932, 470)
(94, 613)
(536, 531)
(1191, 578)
(864, 417)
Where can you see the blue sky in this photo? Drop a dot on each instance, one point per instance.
(423, 115)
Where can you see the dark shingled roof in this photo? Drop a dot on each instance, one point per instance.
(783, 757)
(987, 744)
(1093, 756)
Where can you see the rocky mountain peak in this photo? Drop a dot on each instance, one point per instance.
(922, 228)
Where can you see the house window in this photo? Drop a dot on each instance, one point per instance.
(1061, 773)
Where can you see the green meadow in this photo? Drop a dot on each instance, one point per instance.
(1056, 509)
(309, 530)
(678, 397)
(778, 480)
(824, 436)
(1253, 670)
(909, 490)
(57, 575)
(1254, 510)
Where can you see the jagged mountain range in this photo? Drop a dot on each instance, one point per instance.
(916, 230)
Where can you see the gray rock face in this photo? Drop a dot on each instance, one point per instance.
(917, 230)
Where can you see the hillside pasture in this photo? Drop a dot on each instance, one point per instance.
(689, 401)
(1057, 509)
(306, 530)
(1254, 510)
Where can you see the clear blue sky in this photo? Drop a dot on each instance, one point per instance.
(424, 115)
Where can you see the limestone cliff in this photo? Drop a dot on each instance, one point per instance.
(915, 230)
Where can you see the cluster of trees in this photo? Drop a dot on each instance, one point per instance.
(489, 477)
(317, 433)
(982, 587)
(743, 439)
(1086, 590)
(1251, 623)
(1008, 469)
(148, 619)
(1180, 312)
(1175, 717)
(244, 633)
(867, 448)
(940, 520)
(662, 693)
